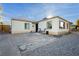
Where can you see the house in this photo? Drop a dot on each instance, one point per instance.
(54, 26)
(22, 26)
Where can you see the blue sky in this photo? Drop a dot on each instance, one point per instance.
(37, 11)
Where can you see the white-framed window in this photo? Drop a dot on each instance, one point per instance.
(61, 24)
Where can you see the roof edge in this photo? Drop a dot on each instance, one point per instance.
(44, 19)
(24, 20)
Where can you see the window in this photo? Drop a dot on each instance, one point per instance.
(27, 25)
(61, 25)
(33, 25)
(49, 25)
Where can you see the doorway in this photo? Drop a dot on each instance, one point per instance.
(37, 27)
(47, 32)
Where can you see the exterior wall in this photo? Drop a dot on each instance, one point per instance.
(55, 26)
(19, 27)
(33, 27)
(66, 30)
(43, 25)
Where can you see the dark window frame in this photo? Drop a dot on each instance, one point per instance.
(26, 25)
(49, 25)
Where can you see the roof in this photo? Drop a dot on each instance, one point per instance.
(44, 19)
(24, 20)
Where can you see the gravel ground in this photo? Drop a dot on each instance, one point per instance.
(37, 44)
(31, 40)
(6, 46)
(67, 45)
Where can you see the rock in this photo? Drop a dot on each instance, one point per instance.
(22, 47)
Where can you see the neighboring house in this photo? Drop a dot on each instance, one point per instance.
(22, 26)
(54, 25)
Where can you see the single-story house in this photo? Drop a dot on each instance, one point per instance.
(22, 26)
(55, 25)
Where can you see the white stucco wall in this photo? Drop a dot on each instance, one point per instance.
(55, 25)
(43, 25)
(19, 27)
(33, 27)
(66, 29)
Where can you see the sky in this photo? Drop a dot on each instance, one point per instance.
(37, 11)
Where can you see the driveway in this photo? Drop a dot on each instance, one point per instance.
(36, 44)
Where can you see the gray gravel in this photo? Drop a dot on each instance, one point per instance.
(36, 44)
(67, 45)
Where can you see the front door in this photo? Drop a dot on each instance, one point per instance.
(36, 27)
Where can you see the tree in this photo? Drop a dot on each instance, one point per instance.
(77, 23)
